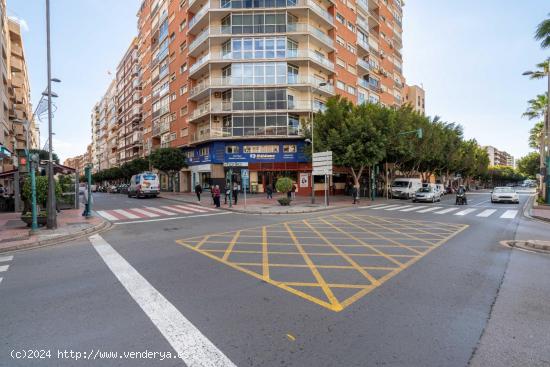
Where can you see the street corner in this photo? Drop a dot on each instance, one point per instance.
(333, 260)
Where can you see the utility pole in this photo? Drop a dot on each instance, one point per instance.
(546, 130)
(52, 214)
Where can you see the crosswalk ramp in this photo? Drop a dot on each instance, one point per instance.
(154, 212)
(459, 211)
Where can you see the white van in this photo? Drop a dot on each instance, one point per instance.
(144, 184)
(404, 188)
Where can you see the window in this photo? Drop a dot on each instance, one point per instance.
(260, 125)
(204, 151)
(182, 25)
(340, 85)
(340, 41)
(183, 89)
(351, 27)
(183, 111)
(232, 149)
(351, 48)
(261, 149)
(352, 69)
(184, 132)
(183, 68)
(259, 48)
(351, 90)
(182, 46)
(290, 148)
(259, 99)
(340, 62)
(190, 154)
(340, 18)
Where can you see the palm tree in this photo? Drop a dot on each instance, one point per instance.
(540, 72)
(543, 33)
(534, 135)
(537, 107)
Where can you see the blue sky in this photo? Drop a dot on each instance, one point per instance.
(468, 55)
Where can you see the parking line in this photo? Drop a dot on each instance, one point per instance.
(6, 258)
(466, 211)
(106, 215)
(486, 213)
(429, 209)
(509, 214)
(126, 214)
(191, 345)
(413, 208)
(444, 211)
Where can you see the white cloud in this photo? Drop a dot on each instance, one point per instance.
(22, 22)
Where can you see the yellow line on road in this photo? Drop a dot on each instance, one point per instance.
(344, 255)
(231, 245)
(265, 256)
(332, 299)
(202, 242)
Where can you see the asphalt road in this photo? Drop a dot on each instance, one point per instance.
(353, 287)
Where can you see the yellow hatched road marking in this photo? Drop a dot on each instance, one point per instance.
(231, 245)
(265, 256)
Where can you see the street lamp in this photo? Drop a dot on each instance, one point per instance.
(321, 84)
(51, 207)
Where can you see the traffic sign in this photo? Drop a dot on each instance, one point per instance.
(322, 163)
(244, 173)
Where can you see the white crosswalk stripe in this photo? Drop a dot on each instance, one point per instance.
(509, 214)
(429, 209)
(445, 211)
(106, 215)
(386, 207)
(466, 211)
(189, 207)
(399, 207)
(486, 213)
(373, 206)
(179, 210)
(413, 208)
(5, 258)
(126, 214)
(145, 212)
(158, 210)
(4, 268)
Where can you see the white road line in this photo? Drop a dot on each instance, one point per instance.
(145, 212)
(171, 218)
(106, 215)
(429, 209)
(4, 268)
(481, 202)
(416, 207)
(444, 211)
(177, 209)
(187, 207)
(372, 206)
(126, 214)
(201, 207)
(486, 213)
(466, 211)
(509, 214)
(6, 258)
(386, 207)
(158, 210)
(1, 280)
(191, 345)
(399, 207)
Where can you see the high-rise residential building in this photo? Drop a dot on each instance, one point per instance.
(128, 106)
(105, 130)
(234, 82)
(17, 125)
(499, 157)
(415, 97)
(96, 137)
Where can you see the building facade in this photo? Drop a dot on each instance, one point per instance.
(234, 82)
(499, 157)
(416, 98)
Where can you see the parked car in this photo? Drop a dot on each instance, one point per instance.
(428, 194)
(404, 188)
(504, 194)
(113, 189)
(123, 188)
(144, 184)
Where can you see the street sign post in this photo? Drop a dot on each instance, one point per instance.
(322, 166)
(245, 176)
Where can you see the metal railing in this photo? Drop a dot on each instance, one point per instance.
(198, 16)
(229, 106)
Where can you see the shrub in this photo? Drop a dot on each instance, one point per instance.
(284, 184)
(284, 201)
(41, 190)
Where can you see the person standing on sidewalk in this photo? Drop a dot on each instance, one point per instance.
(216, 195)
(198, 191)
(227, 192)
(269, 191)
(236, 189)
(293, 192)
(355, 193)
(87, 200)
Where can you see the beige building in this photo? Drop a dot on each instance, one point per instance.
(416, 98)
(499, 157)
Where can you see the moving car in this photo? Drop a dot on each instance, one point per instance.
(404, 188)
(428, 194)
(504, 194)
(145, 184)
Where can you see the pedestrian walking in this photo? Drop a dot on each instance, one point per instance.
(227, 193)
(198, 191)
(269, 191)
(236, 189)
(293, 192)
(87, 201)
(355, 193)
(216, 195)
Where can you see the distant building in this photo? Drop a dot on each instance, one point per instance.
(499, 157)
(415, 97)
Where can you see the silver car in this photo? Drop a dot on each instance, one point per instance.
(504, 194)
(428, 194)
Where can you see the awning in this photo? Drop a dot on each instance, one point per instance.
(7, 174)
(4, 152)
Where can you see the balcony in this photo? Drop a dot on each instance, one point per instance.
(160, 128)
(363, 24)
(364, 65)
(161, 111)
(308, 28)
(363, 5)
(200, 91)
(363, 44)
(197, 17)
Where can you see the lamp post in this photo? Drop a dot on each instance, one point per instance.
(322, 84)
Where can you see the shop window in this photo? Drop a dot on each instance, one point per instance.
(232, 149)
(290, 148)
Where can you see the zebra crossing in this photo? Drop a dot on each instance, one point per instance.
(153, 212)
(4, 266)
(459, 211)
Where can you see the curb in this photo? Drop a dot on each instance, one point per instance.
(101, 227)
(530, 245)
(529, 207)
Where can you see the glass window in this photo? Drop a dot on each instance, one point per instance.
(232, 149)
(290, 148)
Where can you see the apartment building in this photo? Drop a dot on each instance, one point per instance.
(16, 132)
(499, 157)
(128, 106)
(233, 82)
(416, 98)
(96, 137)
(80, 161)
(105, 130)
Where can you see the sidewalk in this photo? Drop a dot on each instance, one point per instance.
(15, 235)
(541, 212)
(259, 204)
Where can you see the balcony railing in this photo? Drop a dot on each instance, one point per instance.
(220, 133)
(363, 44)
(237, 82)
(221, 107)
(160, 128)
(364, 64)
(199, 15)
(308, 28)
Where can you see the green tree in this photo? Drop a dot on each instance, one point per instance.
(169, 161)
(529, 165)
(542, 33)
(540, 72)
(535, 134)
(134, 167)
(283, 184)
(41, 190)
(537, 107)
